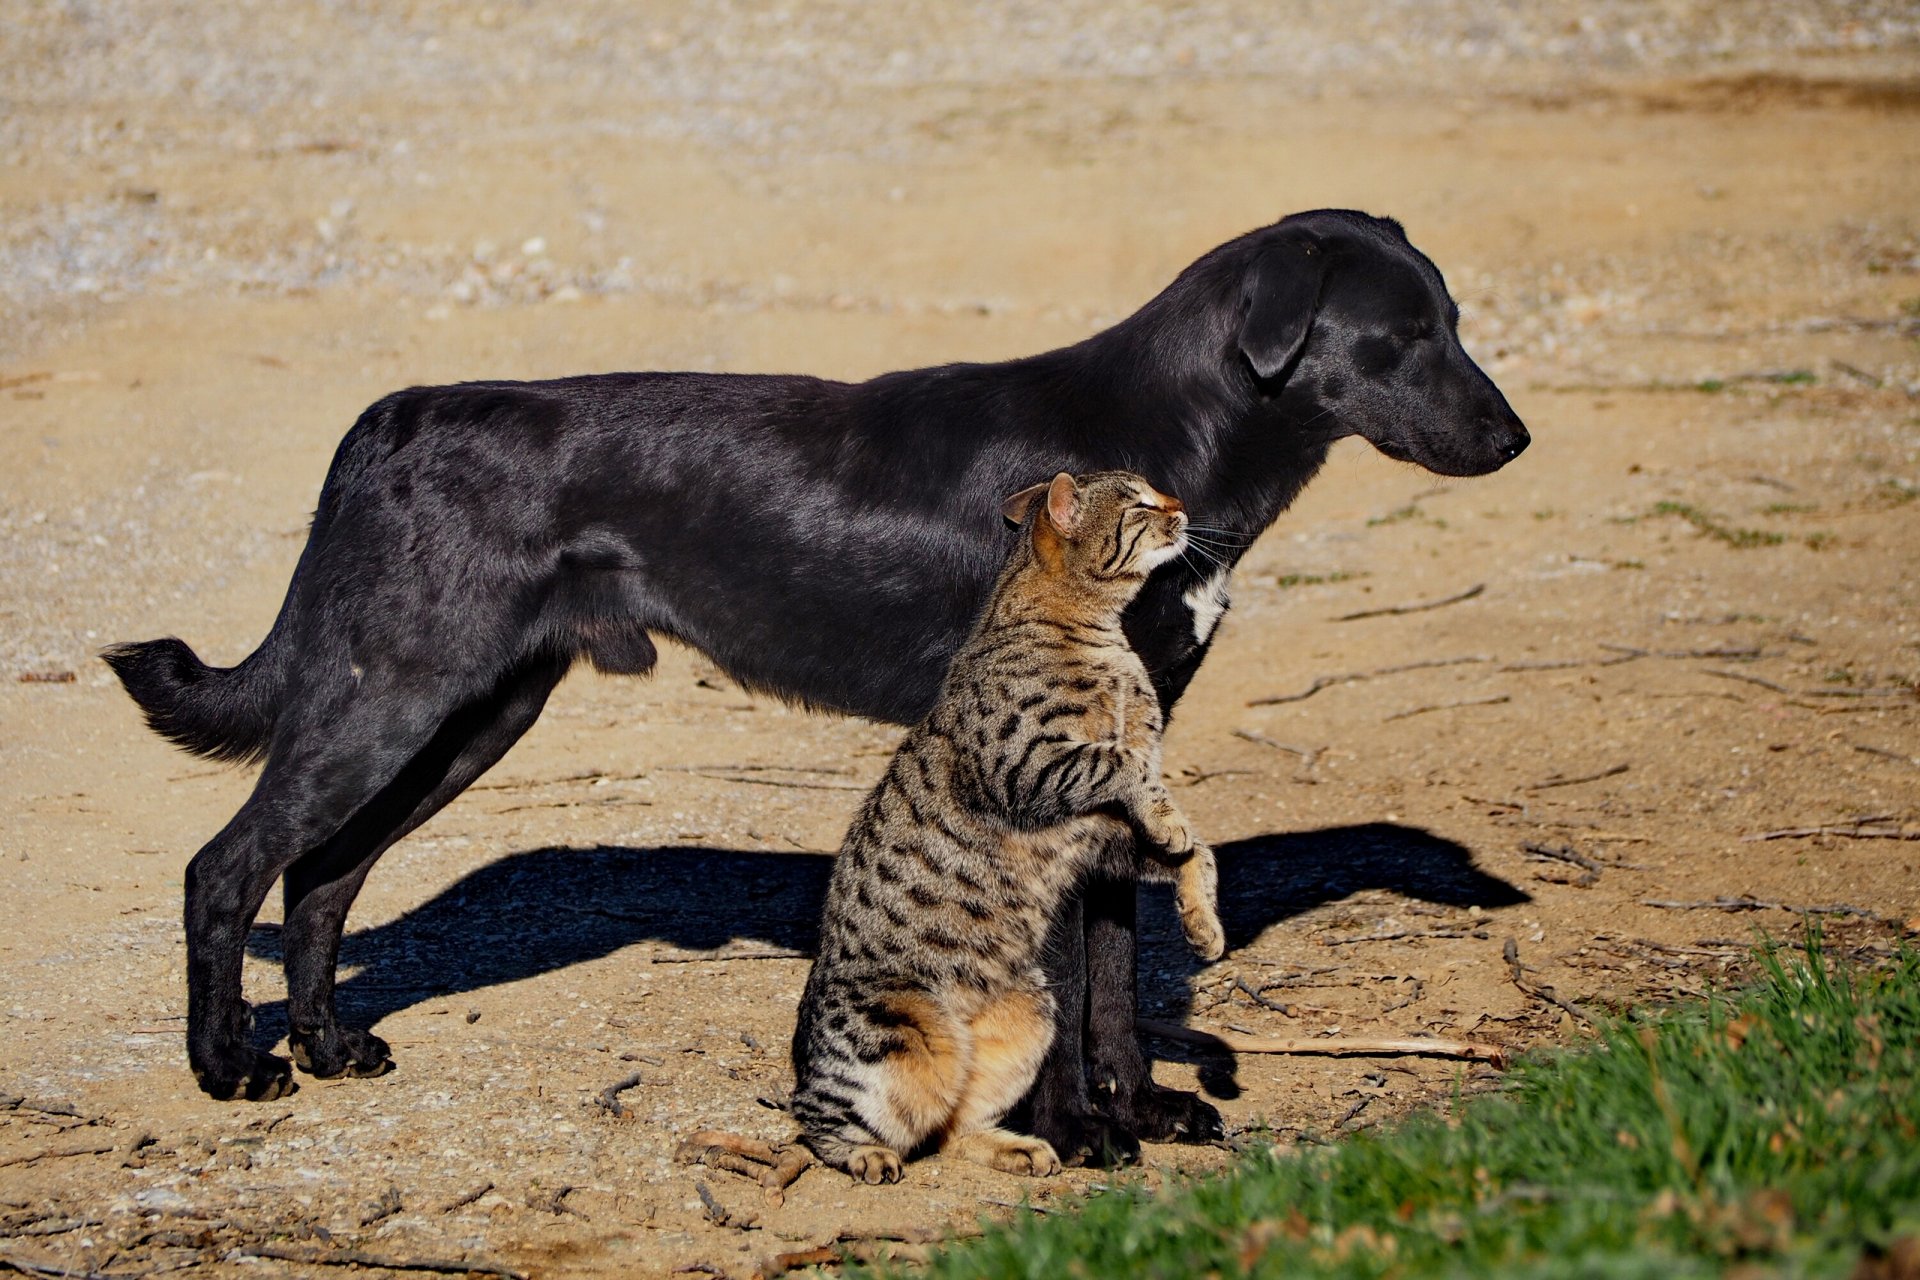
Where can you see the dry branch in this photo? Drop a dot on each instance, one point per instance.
(1812, 693)
(1307, 758)
(1857, 831)
(355, 1258)
(1324, 1046)
(700, 957)
(1547, 784)
(1590, 868)
(1449, 706)
(608, 1098)
(1745, 903)
(1510, 951)
(1322, 682)
(466, 1198)
(1628, 653)
(61, 1153)
(1418, 607)
(734, 1153)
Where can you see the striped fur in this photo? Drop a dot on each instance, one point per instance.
(926, 1015)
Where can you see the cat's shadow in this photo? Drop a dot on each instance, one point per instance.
(542, 910)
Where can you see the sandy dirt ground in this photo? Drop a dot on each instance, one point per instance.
(1685, 239)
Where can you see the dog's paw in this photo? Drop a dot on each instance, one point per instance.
(340, 1052)
(257, 1077)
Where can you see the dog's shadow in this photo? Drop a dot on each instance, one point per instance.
(542, 910)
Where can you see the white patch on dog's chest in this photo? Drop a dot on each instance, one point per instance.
(1207, 601)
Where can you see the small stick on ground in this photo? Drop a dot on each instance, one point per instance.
(1323, 682)
(1240, 985)
(702, 957)
(1354, 1110)
(1307, 758)
(1590, 869)
(385, 1207)
(774, 1168)
(1744, 903)
(465, 1198)
(1812, 693)
(819, 1256)
(1495, 700)
(1394, 936)
(1238, 1042)
(609, 1097)
(1422, 606)
(1510, 951)
(355, 1258)
(1860, 831)
(61, 1153)
(1547, 784)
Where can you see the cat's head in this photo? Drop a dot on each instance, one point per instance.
(1108, 526)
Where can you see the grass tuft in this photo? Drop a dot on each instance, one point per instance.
(1776, 1130)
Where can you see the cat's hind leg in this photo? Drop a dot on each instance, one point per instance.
(1010, 1039)
(894, 1080)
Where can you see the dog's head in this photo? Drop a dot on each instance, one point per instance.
(1351, 328)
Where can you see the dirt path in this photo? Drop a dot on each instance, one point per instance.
(1693, 263)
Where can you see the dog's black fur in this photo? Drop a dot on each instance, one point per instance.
(825, 542)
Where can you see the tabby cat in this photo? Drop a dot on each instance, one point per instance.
(926, 1017)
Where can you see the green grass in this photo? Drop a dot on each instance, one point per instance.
(1778, 1130)
(1713, 528)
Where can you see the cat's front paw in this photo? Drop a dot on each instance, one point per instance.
(1198, 898)
(1204, 933)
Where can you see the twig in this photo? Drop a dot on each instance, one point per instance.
(1395, 936)
(1240, 985)
(61, 1153)
(466, 1198)
(1883, 752)
(1322, 682)
(1016, 1204)
(1566, 853)
(1354, 1110)
(27, 1268)
(355, 1258)
(1307, 758)
(1558, 781)
(1628, 653)
(718, 1149)
(1449, 706)
(1420, 607)
(556, 1203)
(824, 1255)
(1237, 1042)
(1895, 692)
(1857, 832)
(1745, 903)
(1510, 951)
(385, 1207)
(608, 1098)
(701, 957)
(779, 782)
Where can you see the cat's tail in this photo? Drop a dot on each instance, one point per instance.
(223, 713)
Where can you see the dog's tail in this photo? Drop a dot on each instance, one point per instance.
(223, 713)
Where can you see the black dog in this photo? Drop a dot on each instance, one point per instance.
(824, 542)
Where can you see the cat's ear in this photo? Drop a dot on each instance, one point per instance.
(1063, 503)
(1015, 508)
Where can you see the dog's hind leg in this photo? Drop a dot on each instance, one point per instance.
(339, 752)
(320, 887)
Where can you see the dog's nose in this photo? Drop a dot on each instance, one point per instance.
(1510, 438)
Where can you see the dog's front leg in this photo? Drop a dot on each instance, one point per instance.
(1122, 1079)
(1058, 1109)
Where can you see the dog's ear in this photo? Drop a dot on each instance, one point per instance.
(1063, 503)
(1016, 507)
(1279, 295)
